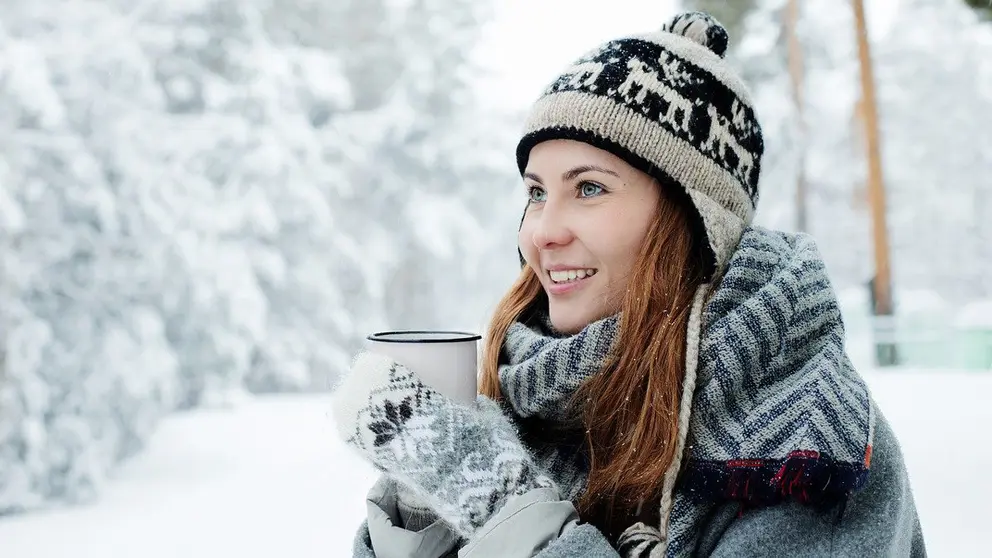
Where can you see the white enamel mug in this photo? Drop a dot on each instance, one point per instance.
(444, 360)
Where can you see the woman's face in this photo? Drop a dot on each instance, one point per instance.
(584, 228)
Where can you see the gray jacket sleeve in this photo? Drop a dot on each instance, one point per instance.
(538, 524)
(382, 535)
(880, 520)
(535, 524)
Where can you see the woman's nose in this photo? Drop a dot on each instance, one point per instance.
(552, 228)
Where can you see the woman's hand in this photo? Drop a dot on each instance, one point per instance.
(465, 461)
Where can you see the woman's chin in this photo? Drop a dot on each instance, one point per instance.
(568, 320)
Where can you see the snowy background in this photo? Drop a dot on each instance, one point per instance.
(206, 204)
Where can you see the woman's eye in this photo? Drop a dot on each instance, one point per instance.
(590, 189)
(536, 195)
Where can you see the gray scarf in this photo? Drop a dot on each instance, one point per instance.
(541, 371)
(545, 368)
(773, 412)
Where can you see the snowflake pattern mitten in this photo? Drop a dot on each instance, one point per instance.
(467, 461)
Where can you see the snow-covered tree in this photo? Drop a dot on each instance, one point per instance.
(212, 197)
(87, 368)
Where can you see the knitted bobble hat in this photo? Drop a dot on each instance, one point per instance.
(670, 105)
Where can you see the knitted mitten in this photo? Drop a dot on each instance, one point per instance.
(466, 461)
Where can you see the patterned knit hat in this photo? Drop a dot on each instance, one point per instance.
(668, 104)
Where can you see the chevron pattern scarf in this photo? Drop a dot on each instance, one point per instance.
(778, 412)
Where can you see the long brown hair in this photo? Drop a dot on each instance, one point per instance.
(629, 410)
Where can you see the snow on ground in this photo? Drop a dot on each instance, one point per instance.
(269, 479)
(266, 479)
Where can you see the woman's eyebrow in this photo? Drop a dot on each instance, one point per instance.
(570, 174)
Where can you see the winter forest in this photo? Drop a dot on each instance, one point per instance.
(205, 203)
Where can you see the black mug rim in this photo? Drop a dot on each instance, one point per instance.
(461, 336)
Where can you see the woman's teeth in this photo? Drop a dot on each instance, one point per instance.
(571, 275)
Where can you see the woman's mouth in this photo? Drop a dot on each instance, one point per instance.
(568, 280)
(566, 276)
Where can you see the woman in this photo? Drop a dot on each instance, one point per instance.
(663, 379)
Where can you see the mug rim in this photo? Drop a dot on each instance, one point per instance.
(460, 336)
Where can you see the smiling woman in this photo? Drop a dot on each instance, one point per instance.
(663, 378)
(589, 209)
(587, 216)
